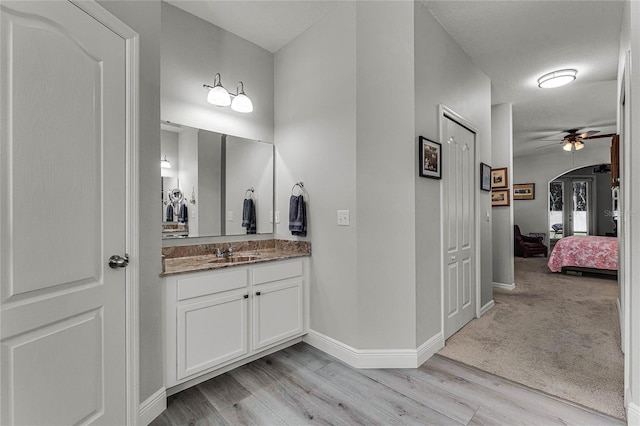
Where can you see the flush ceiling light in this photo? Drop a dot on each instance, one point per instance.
(219, 96)
(164, 163)
(557, 78)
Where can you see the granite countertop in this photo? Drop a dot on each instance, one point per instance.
(196, 258)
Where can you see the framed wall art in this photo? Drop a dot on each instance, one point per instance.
(430, 159)
(485, 177)
(499, 178)
(500, 197)
(524, 191)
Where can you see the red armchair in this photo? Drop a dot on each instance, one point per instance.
(525, 246)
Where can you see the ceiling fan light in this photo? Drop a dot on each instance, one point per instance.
(557, 78)
(567, 146)
(579, 145)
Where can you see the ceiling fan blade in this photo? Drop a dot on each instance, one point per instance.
(588, 133)
(550, 144)
(608, 135)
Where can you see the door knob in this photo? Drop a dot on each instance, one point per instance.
(117, 261)
(453, 258)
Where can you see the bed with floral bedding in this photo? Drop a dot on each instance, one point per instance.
(599, 254)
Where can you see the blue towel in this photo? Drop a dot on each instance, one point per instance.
(169, 213)
(183, 215)
(249, 216)
(297, 216)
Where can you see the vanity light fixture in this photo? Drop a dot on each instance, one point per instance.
(164, 163)
(557, 78)
(219, 96)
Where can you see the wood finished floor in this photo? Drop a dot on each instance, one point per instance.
(302, 385)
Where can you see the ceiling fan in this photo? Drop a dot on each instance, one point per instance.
(573, 141)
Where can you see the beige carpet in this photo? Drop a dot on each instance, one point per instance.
(556, 333)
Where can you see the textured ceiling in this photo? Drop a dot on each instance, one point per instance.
(513, 42)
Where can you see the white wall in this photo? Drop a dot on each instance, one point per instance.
(531, 215)
(315, 123)
(385, 182)
(144, 18)
(444, 74)
(193, 51)
(502, 156)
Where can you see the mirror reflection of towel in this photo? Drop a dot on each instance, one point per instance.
(169, 213)
(249, 216)
(183, 216)
(297, 216)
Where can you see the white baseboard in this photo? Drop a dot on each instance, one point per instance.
(430, 348)
(486, 307)
(152, 407)
(504, 285)
(375, 358)
(633, 414)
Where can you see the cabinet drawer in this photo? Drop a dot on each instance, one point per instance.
(277, 271)
(212, 283)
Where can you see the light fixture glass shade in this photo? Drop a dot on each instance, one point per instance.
(242, 103)
(579, 145)
(557, 78)
(219, 96)
(567, 146)
(164, 163)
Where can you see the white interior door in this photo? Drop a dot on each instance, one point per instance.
(459, 171)
(62, 215)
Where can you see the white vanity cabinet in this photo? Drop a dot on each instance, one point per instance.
(219, 318)
(277, 303)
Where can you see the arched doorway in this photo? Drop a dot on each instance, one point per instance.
(580, 203)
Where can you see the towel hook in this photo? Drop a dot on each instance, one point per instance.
(250, 191)
(300, 184)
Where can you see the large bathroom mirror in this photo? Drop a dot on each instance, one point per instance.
(214, 184)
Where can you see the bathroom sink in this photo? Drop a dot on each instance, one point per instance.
(234, 259)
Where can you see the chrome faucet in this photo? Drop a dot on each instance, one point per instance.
(224, 253)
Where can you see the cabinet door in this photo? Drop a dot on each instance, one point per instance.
(277, 312)
(210, 333)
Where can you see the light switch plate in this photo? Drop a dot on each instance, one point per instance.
(277, 216)
(230, 215)
(343, 217)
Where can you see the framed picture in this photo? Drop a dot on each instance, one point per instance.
(485, 177)
(499, 178)
(524, 191)
(500, 197)
(430, 159)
